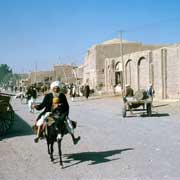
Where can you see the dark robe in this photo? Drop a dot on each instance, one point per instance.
(86, 91)
(47, 104)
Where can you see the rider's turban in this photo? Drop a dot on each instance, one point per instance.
(55, 84)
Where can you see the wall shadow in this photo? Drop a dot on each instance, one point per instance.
(93, 157)
(20, 128)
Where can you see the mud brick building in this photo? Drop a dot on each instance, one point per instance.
(160, 67)
(96, 57)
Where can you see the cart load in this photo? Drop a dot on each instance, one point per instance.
(140, 95)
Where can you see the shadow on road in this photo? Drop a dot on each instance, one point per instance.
(19, 128)
(94, 157)
(161, 105)
(144, 114)
(156, 115)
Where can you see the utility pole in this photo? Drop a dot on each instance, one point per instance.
(35, 72)
(122, 60)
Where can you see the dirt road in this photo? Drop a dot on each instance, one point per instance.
(111, 147)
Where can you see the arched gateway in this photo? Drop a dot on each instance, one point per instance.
(118, 74)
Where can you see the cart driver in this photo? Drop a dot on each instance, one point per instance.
(128, 92)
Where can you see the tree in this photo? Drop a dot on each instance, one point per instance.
(5, 73)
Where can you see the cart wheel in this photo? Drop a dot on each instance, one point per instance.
(6, 117)
(124, 111)
(149, 111)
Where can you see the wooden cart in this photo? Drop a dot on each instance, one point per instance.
(6, 113)
(140, 99)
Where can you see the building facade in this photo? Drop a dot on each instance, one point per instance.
(65, 73)
(94, 63)
(43, 77)
(160, 67)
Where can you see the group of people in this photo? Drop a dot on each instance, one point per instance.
(54, 105)
(83, 91)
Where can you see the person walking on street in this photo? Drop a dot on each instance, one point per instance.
(86, 91)
(73, 93)
(31, 97)
(150, 92)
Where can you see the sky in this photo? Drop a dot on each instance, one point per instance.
(36, 34)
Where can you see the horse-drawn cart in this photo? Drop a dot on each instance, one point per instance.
(6, 113)
(140, 99)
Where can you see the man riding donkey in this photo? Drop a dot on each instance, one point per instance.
(54, 104)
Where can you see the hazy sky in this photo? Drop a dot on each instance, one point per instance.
(47, 32)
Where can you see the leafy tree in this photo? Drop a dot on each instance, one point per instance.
(5, 73)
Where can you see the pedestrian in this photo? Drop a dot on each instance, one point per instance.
(47, 105)
(15, 89)
(150, 92)
(81, 91)
(31, 96)
(86, 91)
(73, 93)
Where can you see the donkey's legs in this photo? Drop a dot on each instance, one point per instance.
(60, 152)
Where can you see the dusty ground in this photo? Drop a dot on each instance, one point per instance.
(111, 147)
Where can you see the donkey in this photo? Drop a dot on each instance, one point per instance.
(54, 134)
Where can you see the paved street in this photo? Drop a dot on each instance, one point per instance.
(111, 147)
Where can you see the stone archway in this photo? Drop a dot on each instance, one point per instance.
(143, 73)
(128, 71)
(118, 73)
